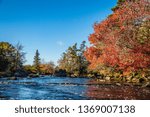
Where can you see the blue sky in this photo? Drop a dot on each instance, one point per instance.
(50, 25)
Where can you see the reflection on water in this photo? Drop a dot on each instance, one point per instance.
(113, 92)
(55, 88)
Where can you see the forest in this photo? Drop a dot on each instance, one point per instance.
(119, 50)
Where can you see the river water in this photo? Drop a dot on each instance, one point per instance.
(56, 88)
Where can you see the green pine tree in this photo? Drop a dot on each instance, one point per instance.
(37, 61)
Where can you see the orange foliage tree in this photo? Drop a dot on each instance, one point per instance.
(122, 41)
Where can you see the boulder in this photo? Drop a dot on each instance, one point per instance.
(107, 78)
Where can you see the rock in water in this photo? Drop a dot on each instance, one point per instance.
(107, 78)
(13, 78)
(146, 84)
(118, 84)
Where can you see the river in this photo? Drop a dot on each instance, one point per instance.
(56, 88)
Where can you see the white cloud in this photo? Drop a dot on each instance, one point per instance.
(60, 43)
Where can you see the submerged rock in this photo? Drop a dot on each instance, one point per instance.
(12, 78)
(33, 75)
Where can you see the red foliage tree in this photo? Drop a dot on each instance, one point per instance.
(122, 40)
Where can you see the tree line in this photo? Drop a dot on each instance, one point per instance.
(12, 59)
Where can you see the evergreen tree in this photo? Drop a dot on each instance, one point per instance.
(69, 61)
(83, 63)
(36, 62)
(73, 61)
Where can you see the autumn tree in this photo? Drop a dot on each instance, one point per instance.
(119, 4)
(11, 59)
(7, 57)
(30, 69)
(121, 42)
(47, 68)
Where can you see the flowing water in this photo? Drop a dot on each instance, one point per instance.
(56, 88)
